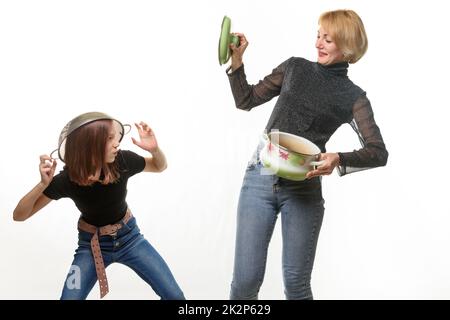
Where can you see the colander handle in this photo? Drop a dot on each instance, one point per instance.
(54, 157)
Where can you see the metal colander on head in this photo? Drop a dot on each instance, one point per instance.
(80, 121)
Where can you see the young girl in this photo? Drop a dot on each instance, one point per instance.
(95, 177)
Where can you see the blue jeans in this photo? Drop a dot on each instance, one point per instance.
(301, 205)
(128, 247)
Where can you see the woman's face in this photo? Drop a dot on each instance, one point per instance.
(327, 51)
(112, 145)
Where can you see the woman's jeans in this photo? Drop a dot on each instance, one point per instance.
(301, 205)
(128, 247)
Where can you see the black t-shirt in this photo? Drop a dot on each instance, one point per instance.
(99, 204)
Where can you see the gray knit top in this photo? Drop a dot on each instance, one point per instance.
(314, 100)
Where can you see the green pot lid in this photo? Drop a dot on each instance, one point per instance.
(226, 38)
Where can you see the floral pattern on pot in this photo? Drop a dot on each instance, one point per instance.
(289, 156)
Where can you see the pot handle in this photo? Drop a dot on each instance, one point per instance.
(317, 163)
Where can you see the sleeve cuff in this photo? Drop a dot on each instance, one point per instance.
(341, 159)
(231, 73)
(341, 167)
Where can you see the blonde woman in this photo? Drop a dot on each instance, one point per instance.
(314, 99)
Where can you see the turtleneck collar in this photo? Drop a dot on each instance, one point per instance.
(338, 69)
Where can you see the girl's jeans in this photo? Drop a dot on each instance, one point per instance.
(128, 247)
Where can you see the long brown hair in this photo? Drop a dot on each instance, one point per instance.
(85, 154)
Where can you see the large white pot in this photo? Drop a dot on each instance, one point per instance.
(289, 156)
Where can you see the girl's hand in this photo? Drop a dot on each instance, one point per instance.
(47, 168)
(331, 162)
(147, 138)
(238, 52)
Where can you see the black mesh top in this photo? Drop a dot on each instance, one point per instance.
(313, 101)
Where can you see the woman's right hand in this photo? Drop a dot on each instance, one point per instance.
(47, 168)
(238, 52)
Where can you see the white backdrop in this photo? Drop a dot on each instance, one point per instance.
(385, 233)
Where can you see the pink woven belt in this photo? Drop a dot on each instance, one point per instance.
(109, 229)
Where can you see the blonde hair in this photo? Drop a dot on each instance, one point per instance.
(347, 30)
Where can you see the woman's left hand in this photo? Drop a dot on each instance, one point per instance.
(331, 161)
(147, 138)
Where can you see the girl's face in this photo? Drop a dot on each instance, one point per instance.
(112, 144)
(327, 51)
